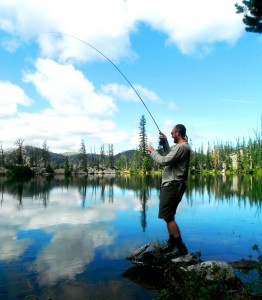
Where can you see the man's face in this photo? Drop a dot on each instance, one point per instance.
(175, 135)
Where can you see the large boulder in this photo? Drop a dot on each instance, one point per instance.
(212, 270)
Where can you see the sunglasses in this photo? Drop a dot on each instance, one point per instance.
(173, 132)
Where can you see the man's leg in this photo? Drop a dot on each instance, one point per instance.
(170, 197)
(175, 240)
(173, 228)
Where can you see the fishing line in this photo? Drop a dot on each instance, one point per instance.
(74, 37)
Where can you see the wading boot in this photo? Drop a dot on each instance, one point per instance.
(177, 252)
(170, 246)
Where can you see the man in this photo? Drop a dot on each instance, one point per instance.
(176, 163)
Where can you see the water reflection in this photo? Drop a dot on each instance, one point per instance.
(242, 187)
(77, 230)
(225, 188)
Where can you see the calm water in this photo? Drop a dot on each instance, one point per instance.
(68, 238)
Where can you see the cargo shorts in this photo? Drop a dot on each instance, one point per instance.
(170, 197)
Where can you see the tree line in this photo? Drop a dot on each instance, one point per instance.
(39, 160)
(243, 156)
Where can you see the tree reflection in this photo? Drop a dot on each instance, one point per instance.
(244, 188)
(225, 188)
(20, 188)
(37, 188)
(143, 194)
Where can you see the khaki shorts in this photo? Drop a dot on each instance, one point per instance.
(170, 197)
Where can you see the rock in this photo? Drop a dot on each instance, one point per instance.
(188, 259)
(81, 173)
(3, 171)
(212, 270)
(59, 171)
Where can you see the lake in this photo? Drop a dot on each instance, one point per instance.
(67, 238)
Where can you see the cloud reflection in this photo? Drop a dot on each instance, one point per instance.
(79, 226)
(10, 247)
(70, 251)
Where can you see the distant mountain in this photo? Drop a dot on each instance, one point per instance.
(58, 158)
(128, 153)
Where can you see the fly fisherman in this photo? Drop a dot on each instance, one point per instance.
(176, 163)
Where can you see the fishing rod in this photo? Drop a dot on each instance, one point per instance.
(74, 37)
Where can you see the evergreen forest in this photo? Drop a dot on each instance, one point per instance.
(242, 156)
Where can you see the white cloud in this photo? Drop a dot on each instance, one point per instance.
(189, 24)
(62, 133)
(88, 20)
(68, 91)
(172, 105)
(128, 93)
(108, 24)
(76, 109)
(10, 97)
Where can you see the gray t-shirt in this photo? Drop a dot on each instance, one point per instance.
(175, 162)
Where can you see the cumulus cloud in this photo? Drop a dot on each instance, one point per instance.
(76, 109)
(61, 132)
(172, 105)
(10, 97)
(108, 24)
(68, 91)
(189, 24)
(89, 20)
(128, 94)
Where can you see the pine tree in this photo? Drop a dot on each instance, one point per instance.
(19, 152)
(142, 136)
(46, 155)
(82, 156)
(102, 155)
(66, 166)
(110, 155)
(2, 156)
(252, 10)
(121, 162)
(144, 161)
(208, 164)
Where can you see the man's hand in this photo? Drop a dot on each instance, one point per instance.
(163, 139)
(150, 149)
(162, 136)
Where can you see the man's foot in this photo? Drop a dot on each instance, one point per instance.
(177, 252)
(169, 248)
(174, 251)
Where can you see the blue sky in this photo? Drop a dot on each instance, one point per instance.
(193, 66)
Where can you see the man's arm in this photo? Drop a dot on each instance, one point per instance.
(163, 142)
(174, 154)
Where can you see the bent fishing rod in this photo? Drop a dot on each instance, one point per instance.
(74, 37)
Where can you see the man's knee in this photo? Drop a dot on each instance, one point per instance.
(169, 219)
